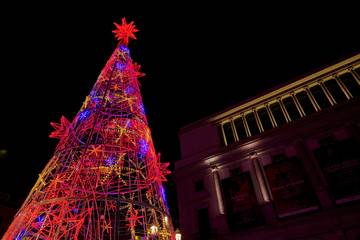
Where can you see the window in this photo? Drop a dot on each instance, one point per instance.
(229, 136)
(335, 90)
(199, 186)
(264, 118)
(320, 96)
(277, 113)
(340, 164)
(357, 70)
(305, 102)
(240, 128)
(291, 108)
(251, 121)
(279, 158)
(235, 171)
(350, 83)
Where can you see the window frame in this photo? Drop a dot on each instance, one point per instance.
(268, 114)
(256, 121)
(311, 101)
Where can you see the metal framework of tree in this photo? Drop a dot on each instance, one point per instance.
(105, 178)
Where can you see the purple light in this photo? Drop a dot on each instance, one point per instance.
(162, 192)
(20, 235)
(84, 115)
(142, 109)
(129, 90)
(128, 124)
(93, 93)
(94, 97)
(121, 66)
(124, 49)
(144, 147)
(40, 218)
(110, 161)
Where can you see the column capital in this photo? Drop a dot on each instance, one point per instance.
(253, 155)
(214, 167)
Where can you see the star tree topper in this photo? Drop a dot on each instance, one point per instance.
(124, 31)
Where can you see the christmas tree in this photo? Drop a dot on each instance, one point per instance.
(104, 180)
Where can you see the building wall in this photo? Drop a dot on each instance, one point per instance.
(297, 180)
(198, 140)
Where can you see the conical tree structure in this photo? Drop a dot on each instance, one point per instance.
(105, 178)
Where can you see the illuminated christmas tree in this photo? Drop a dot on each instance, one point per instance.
(105, 178)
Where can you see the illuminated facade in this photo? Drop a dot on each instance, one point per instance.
(282, 165)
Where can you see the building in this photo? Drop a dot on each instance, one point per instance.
(282, 165)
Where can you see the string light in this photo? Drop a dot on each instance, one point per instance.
(153, 230)
(105, 178)
(177, 234)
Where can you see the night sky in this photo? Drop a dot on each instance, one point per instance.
(196, 61)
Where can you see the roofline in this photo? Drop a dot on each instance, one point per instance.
(321, 72)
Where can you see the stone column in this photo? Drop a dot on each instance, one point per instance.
(263, 187)
(219, 197)
(220, 219)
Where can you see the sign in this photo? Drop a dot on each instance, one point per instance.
(291, 191)
(240, 201)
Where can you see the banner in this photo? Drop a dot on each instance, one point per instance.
(291, 191)
(240, 201)
(340, 164)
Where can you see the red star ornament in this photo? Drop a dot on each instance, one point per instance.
(124, 31)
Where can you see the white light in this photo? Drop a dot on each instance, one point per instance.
(153, 229)
(166, 220)
(177, 234)
(218, 193)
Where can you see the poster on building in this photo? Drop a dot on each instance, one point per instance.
(290, 189)
(340, 164)
(240, 201)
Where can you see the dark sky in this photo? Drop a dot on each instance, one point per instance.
(197, 60)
